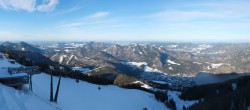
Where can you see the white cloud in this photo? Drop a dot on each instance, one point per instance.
(28, 5)
(75, 8)
(94, 19)
(187, 15)
(177, 15)
(48, 5)
(98, 15)
(218, 10)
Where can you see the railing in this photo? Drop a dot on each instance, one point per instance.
(12, 81)
(29, 70)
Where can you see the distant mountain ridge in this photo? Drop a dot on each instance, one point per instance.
(180, 59)
(21, 46)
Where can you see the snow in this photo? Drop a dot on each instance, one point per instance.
(216, 65)
(61, 58)
(70, 47)
(12, 99)
(170, 68)
(140, 53)
(139, 64)
(133, 49)
(82, 70)
(172, 46)
(70, 58)
(172, 62)
(204, 46)
(179, 102)
(53, 56)
(197, 63)
(4, 64)
(143, 85)
(234, 86)
(149, 69)
(57, 50)
(23, 49)
(73, 95)
(134, 64)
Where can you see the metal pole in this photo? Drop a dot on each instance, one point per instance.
(51, 87)
(57, 89)
(30, 87)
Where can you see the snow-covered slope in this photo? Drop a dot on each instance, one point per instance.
(12, 99)
(72, 95)
(76, 96)
(179, 102)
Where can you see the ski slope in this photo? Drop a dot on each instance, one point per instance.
(75, 96)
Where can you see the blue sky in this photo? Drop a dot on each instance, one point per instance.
(125, 20)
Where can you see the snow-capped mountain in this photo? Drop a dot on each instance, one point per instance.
(182, 59)
(155, 57)
(175, 59)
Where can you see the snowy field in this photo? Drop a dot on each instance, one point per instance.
(76, 96)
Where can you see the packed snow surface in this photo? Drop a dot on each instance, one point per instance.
(73, 95)
(76, 96)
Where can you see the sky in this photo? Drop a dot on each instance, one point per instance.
(125, 20)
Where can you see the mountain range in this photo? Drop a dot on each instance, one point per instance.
(178, 59)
